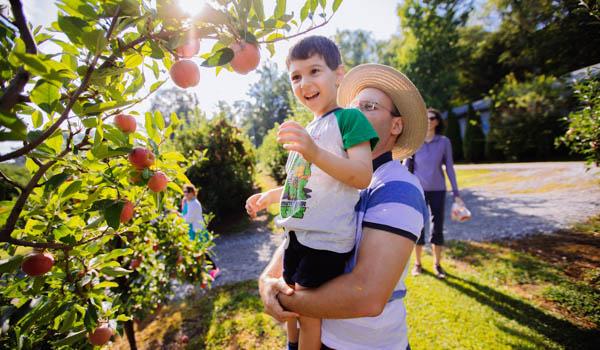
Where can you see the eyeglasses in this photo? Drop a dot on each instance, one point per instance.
(432, 118)
(370, 106)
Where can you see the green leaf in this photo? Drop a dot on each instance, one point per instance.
(133, 61)
(94, 40)
(336, 5)
(55, 181)
(46, 96)
(73, 188)
(323, 3)
(258, 7)
(115, 271)
(304, 11)
(71, 338)
(11, 264)
(14, 123)
(89, 122)
(156, 85)
(37, 119)
(55, 141)
(116, 253)
(280, 9)
(98, 108)
(112, 214)
(106, 284)
(220, 58)
(73, 27)
(123, 318)
(68, 321)
(159, 120)
(149, 125)
(32, 62)
(313, 5)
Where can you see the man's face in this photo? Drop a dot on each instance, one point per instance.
(315, 84)
(377, 107)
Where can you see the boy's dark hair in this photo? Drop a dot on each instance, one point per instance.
(439, 129)
(315, 45)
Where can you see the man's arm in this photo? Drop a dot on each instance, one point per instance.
(270, 284)
(363, 292)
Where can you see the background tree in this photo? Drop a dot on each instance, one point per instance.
(356, 47)
(453, 133)
(583, 135)
(269, 103)
(474, 141)
(431, 33)
(184, 103)
(224, 175)
(528, 116)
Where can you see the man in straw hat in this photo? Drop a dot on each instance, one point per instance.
(363, 309)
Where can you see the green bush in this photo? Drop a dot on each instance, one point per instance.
(527, 117)
(583, 135)
(474, 142)
(453, 133)
(271, 156)
(224, 177)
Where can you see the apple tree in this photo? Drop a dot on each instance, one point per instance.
(93, 240)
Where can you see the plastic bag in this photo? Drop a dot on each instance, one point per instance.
(459, 211)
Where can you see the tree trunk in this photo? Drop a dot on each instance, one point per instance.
(130, 335)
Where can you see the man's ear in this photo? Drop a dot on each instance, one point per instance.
(397, 126)
(340, 71)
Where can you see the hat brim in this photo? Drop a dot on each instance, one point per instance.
(404, 95)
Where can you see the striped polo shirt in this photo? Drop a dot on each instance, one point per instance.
(393, 202)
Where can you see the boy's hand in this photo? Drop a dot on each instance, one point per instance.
(256, 203)
(295, 138)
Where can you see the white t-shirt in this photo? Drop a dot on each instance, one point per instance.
(319, 208)
(393, 202)
(193, 215)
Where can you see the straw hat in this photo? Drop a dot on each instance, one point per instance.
(403, 93)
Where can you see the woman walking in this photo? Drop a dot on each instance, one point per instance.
(426, 164)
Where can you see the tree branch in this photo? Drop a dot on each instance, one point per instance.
(17, 84)
(21, 23)
(297, 34)
(65, 114)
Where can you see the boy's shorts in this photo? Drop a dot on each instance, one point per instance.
(310, 267)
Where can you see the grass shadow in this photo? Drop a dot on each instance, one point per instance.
(560, 331)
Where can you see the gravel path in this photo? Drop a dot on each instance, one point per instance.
(518, 199)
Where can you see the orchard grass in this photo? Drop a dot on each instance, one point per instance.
(541, 291)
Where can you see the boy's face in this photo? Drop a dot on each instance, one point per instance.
(315, 84)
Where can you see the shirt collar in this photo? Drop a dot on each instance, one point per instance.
(331, 111)
(382, 159)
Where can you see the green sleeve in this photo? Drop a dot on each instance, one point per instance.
(355, 128)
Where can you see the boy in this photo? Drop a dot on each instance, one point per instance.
(328, 162)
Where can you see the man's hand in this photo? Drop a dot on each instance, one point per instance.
(269, 288)
(294, 137)
(256, 203)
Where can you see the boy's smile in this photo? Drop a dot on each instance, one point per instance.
(315, 84)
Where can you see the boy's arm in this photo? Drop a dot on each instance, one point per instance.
(260, 201)
(356, 171)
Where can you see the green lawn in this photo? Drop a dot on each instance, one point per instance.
(500, 295)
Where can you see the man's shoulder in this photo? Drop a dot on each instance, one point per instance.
(394, 171)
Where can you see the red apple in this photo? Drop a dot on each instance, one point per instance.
(158, 182)
(141, 158)
(37, 263)
(101, 335)
(127, 212)
(185, 74)
(189, 49)
(135, 263)
(126, 123)
(184, 339)
(246, 57)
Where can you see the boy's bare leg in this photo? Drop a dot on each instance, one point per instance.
(310, 331)
(292, 331)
